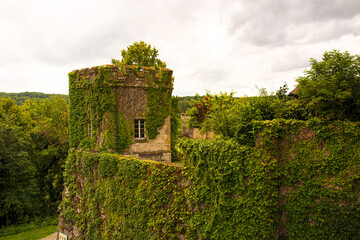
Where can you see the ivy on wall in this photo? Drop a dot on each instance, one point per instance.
(139, 199)
(319, 178)
(301, 181)
(233, 192)
(94, 119)
(176, 128)
(322, 183)
(77, 120)
(158, 102)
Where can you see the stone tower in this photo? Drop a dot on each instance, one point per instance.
(126, 111)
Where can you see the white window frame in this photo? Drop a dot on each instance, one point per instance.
(139, 129)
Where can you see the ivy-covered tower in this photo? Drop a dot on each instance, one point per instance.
(125, 111)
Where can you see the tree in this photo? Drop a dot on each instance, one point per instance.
(50, 145)
(18, 188)
(281, 93)
(232, 117)
(33, 147)
(140, 54)
(198, 113)
(331, 88)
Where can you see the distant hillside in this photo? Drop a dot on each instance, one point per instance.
(19, 98)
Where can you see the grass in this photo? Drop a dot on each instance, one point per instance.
(33, 234)
(37, 228)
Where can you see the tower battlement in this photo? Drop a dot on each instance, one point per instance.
(129, 75)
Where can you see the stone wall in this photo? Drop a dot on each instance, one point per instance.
(195, 133)
(158, 149)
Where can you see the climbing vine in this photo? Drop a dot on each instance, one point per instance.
(94, 119)
(158, 102)
(123, 198)
(300, 181)
(176, 128)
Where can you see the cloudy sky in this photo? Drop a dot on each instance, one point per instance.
(218, 45)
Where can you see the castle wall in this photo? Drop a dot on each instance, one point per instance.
(300, 181)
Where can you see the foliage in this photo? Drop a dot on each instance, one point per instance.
(158, 103)
(232, 117)
(17, 172)
(20, 98)
(200, 110)
(91, 105)
(125, 133)
(50, 145)
(186, 102)
(141, 55)
(301, 181)
(331, 88)
(34, 145)
(229, 191)
(319, 184)
(281, 93)
(140, 199)
(176, 127)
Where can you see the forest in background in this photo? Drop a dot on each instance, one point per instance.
(20, 98)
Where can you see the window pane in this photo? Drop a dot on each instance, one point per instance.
(139, 128)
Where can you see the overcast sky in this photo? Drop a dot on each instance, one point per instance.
(216, 45)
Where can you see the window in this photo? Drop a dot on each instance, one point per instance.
(139, 128)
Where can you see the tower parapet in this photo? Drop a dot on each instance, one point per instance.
(129, 76)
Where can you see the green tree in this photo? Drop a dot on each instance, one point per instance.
(140, 54)
(186, 102)
(33, 147)
(50, 145)
(200, 110)
(234, 117)
(18, 188)
(231, 117)
(331, 88)
(281, 93)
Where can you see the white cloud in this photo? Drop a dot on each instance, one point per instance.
(216, 45)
